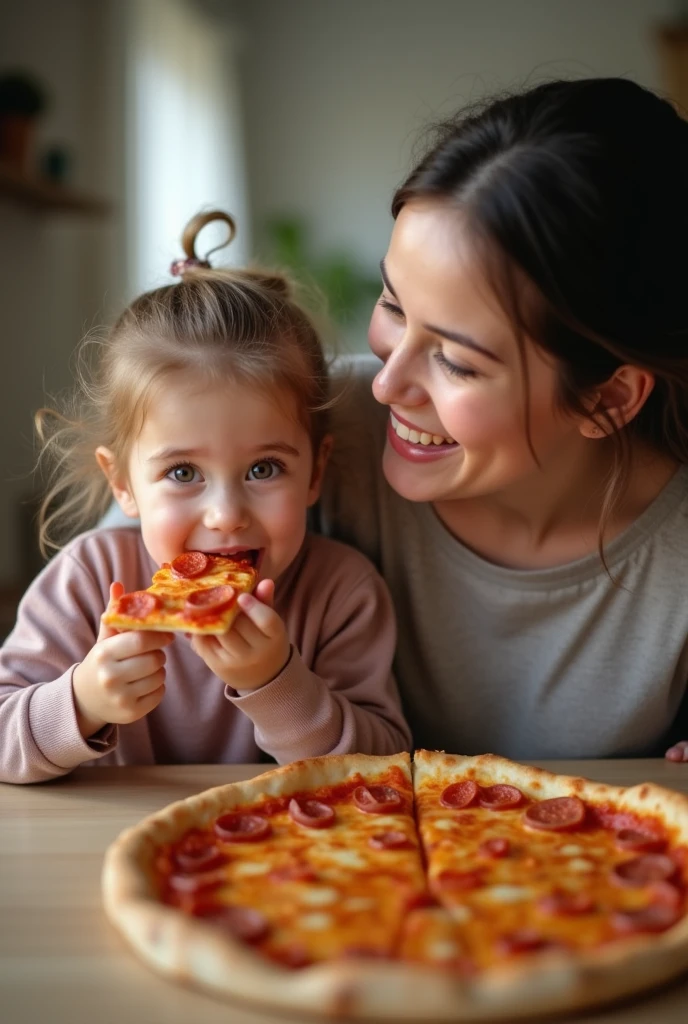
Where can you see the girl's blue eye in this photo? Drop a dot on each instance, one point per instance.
(266, 469)
(182, 474)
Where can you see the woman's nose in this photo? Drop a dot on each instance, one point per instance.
(398, 381)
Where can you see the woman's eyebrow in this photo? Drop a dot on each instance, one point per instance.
(463, 339)
(460, 339)
(385, 277)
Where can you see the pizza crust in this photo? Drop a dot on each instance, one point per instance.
(191, 951)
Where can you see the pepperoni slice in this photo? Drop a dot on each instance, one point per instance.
(566, 904)
(294, 956)
(199, 858)
(198, 882)
(523, 940)
(500, 797)
(451, 879)
(242, 828)
(392, 840)
(311, 813)
(460, 795)
(244, 923)
(667, 893)
(638, 841)
(559, 813)
(642, 870)
(210, 601)
(656, 917)
(377, 799)
(495, 847)
(419, 901)
(362, 952)
(190, 564)
(139, 604)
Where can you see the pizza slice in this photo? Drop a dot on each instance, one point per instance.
(526, 862)
(195, 593)
(313, 862)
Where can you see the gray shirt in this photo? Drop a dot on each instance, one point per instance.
(548, 663)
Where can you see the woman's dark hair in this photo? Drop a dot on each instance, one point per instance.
(583, 187)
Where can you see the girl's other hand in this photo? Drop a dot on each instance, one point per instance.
(255, 649)
(122, 677)
(679, 751)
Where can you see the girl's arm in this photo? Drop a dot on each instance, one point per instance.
(56, 626)
(346, 700)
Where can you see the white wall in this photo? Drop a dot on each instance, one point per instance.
(336, 92)
(58, 274)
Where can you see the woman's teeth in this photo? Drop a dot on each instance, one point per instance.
(415, 436)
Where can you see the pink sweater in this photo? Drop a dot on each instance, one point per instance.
(336, 695)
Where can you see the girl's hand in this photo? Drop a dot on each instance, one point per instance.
(122, 677)
(679, 751)
(255, 649)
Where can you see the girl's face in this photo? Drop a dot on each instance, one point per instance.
(452, 376)
(221, 469)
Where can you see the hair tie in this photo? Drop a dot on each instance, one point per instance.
(179, 267)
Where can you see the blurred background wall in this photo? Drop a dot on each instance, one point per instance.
(297, 115)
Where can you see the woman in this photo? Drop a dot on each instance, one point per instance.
(522, 481)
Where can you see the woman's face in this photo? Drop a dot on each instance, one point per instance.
(453, 377)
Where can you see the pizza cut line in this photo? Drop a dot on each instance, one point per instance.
(195, 593)
(447, 888)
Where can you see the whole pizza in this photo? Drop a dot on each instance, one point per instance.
(443, 888)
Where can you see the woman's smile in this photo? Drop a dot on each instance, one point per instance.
(415, 444)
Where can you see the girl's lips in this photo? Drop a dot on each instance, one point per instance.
(418, 452)
(253, 555)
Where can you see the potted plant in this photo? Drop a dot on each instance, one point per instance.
(22, 99)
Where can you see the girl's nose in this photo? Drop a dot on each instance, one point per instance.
(227, 516)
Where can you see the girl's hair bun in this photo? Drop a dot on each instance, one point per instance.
(269, 280)
(191, 232)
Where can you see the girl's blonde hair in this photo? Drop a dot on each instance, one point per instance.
(241, 324)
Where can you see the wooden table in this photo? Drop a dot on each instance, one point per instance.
(62, 963)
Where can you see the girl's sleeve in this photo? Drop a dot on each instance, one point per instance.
(348, 701)
(57, 625)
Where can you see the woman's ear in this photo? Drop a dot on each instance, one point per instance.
(618, 400)
(319, 464)
(119, 485)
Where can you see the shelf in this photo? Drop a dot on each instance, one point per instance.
(45, 196)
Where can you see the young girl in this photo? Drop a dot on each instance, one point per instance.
(206, 420)
(528, 492)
